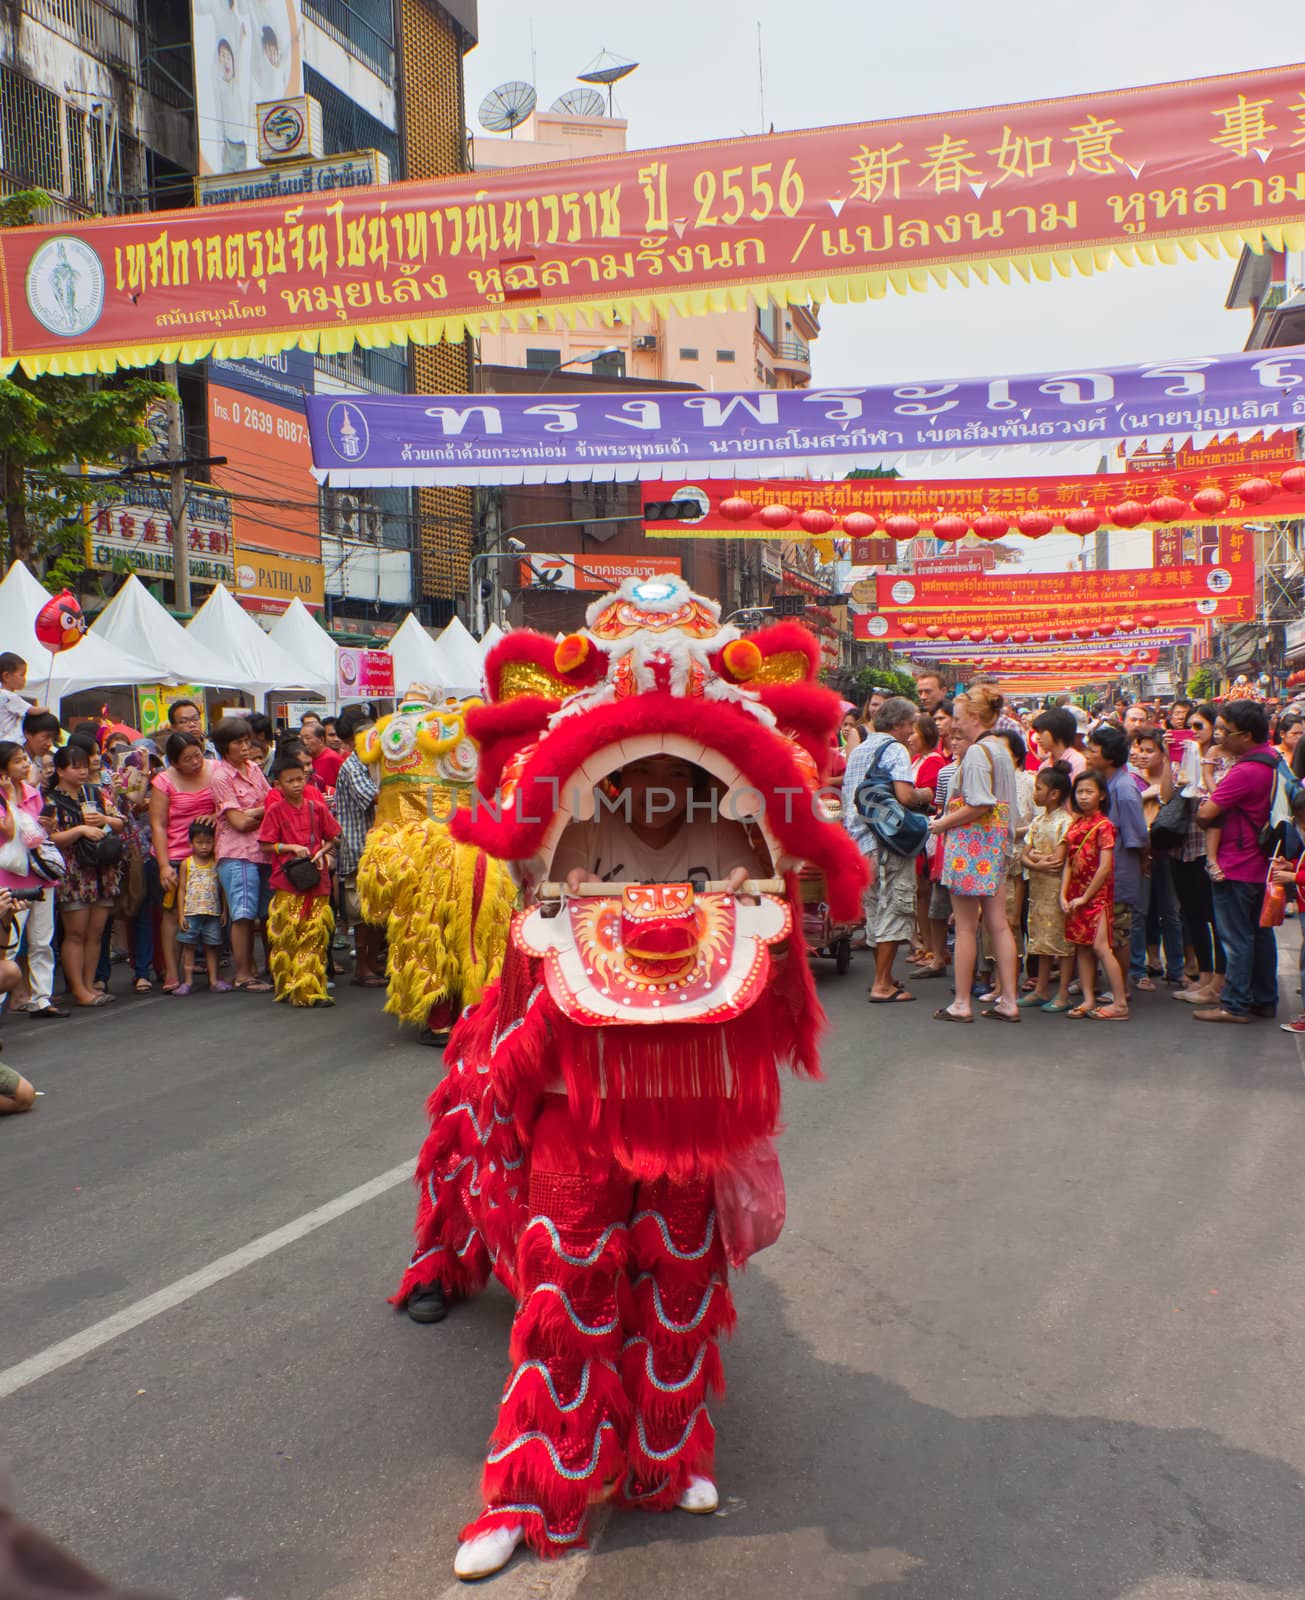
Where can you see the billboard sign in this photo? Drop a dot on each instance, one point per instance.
(247, 52)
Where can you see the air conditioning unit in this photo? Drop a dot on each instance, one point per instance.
(646, 341)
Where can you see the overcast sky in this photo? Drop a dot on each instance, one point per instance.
(828, 61)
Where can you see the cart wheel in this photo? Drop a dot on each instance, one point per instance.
(842, 956)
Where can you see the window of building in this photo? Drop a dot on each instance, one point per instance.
(345, 125)
(364, 27)
(688, 355)
(770, 324)
(542, 360)
(612, 366)
(724, 355)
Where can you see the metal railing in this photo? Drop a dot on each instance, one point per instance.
(379, 371)
(369, 38)
(106, 31)
(792, 350)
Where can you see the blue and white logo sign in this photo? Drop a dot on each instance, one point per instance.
(346, 428)
(65, 286)
(1219, 580)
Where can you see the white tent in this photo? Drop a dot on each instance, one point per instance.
(304, 640)
(465, 670)
(135, 621)
(417, 658)
(257, 664)
(92, 664)
(490, 638)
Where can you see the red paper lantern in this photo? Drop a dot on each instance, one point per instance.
(860, 525)
(1148, 619)
(1034, 524)
(1293, 480)
(1127, 514)
(975, 636)
(950, 528)
(1166, 508)
(910, 629)
(1020, 636)
(1082, 521)
(999, 636)
(777, 516)
(991, 526)
(901, 527)
(1210, 502)
(736, 509)
(955, 633)
(1255, 490)
(933, 630)
(1127, 625)
(816, 522)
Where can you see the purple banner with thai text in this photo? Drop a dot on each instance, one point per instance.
(373, 440)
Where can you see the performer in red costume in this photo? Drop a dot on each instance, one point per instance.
(665, 767)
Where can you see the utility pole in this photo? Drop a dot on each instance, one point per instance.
(177, 509)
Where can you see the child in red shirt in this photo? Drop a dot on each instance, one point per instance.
(297, 827)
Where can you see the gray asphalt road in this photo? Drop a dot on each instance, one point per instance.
(1036, 1327)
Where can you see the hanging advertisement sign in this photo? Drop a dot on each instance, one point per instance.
(600, 574)
(269, 583)
(988, 508)
(136, 532)
(1263, 450)
(364, 674)
(268, 470)
(367, 441)
(822, 214)
(894, 626)
(1129, 586)
(244, 55)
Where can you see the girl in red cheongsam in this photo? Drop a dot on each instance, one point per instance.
(1087, 897)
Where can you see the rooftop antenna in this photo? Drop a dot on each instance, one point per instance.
(504, 109)
(607, 69)
(580, 103)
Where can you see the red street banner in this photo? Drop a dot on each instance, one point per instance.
(827, 214)
(990, 508)
(922, 627)
(1129, 586)
(1263, 450)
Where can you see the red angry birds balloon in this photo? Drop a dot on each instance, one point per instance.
(60, 623)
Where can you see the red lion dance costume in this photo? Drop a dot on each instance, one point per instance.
(628, 1053)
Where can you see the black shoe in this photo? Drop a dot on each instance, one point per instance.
(427, 1304)
(436, 1041)
(1264, 1011)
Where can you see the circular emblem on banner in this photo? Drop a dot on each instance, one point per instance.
(65, 286)
(1219, 581)
(1206, 606)
(876, 627)
(283, 128)
(346, 428)
(246, 576)
(903, 592)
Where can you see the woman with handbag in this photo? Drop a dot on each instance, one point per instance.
(181, 794)
(1199, 768)
(20, 831)
(88, 831)
(978, 831)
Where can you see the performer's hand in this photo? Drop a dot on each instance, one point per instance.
(574, 879)
(737, 877)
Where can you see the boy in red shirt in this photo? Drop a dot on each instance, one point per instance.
(298, 827)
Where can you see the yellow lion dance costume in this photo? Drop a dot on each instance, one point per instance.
(446, 907)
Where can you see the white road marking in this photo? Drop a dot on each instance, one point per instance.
(80, 1344)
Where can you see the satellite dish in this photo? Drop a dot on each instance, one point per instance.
(507, 107)
(579, 103)
(607, 69)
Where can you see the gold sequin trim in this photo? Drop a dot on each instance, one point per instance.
(524, 677)
(785, 666)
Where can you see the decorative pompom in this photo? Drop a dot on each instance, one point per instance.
(742, 658)
(571, 653)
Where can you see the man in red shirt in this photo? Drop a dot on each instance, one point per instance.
(298, 826)
(326, 762)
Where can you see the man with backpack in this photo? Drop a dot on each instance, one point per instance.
(1240, 809)
(884, 813)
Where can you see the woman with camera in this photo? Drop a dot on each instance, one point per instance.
(87, 826)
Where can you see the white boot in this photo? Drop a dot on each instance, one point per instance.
(487, 1553)
(701, 1497)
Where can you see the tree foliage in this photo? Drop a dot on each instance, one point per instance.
(1204, 683)
(890, 678)
(56, 435)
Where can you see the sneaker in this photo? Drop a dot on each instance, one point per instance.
(1296, 1025)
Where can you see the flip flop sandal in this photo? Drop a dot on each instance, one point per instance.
(1108, 1014)
(1056, 1007)
(1000, 1016)
(143, 986)
(898, 997)
(1079, 1011)
(254, 986)
(1026, 1002)
(943, 1015)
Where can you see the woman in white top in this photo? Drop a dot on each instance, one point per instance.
(978, 831)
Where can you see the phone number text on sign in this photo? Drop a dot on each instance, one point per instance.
(258, 420)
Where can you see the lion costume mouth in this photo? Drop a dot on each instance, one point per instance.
(655, 673)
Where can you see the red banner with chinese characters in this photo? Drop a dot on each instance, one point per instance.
(993, 508)
(1037, 623)
(1038, 188)
(1129, 586)
(1264, 450)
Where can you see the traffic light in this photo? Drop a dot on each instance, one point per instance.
(673, 511)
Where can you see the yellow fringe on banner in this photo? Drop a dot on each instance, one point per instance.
(700, 300)
(418, 883)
